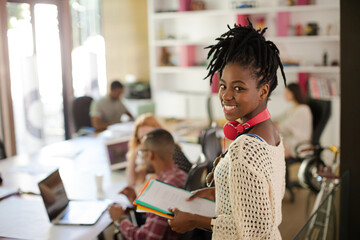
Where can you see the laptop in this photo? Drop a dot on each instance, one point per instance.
(116, 150)
(61, 210)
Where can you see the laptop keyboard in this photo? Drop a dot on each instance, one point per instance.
(83, 212)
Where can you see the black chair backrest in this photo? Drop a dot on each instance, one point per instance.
(197, 175)
(2, 150)
(321, 111)
(81, 112)
(210, 144)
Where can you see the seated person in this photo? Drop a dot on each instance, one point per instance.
(109, 109)
(156, 151)
(135, 173)
(295, 124)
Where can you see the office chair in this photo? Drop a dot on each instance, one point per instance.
(321, 111)
(2, 150)
(196, 180)
(81, 113)
(209, 110)
(210, 137)
(197, 175)
(211, 144)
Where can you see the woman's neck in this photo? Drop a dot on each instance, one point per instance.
(253, 114)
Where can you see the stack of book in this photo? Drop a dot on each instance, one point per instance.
(323, 87)
(158, 197)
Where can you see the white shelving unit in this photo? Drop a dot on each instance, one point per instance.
(178, 88)
(259, 10)
(307, 69)
(291, 39)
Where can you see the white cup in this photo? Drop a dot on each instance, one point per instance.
(99, 182)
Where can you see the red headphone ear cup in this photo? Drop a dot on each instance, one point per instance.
(230, 131)
(240, 128)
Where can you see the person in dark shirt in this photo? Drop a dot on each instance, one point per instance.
(109, 109)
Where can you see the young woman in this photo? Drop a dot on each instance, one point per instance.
(249, 177)
(136, 173)
(295, 125)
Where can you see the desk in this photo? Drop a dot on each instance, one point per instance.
(79, 160)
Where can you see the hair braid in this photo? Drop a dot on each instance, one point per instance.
(246, 46)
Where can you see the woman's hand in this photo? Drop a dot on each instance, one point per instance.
(182, 221)
(208, 193)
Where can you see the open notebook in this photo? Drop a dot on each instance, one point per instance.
(157, 197)
(61, 210)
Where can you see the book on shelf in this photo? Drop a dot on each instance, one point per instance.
(187, 56)
(303, 81)
(323, 87)
(158, 197)
(282, 23)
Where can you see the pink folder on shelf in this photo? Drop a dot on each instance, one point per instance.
(184, 5)
(215, 83)
(241, 19)
(302, 2)
(282, 23)
(303, 81)
(187, 56)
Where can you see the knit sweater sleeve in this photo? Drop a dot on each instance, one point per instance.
(251, 214)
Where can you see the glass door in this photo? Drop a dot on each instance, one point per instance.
(35, 74)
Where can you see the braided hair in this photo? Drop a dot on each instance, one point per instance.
(246, 46)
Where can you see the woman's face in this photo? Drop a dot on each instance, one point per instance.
(238, 93)
(288, 95)
(143, 130)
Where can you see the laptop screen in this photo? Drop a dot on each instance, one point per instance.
(116, 153)
(53, 194)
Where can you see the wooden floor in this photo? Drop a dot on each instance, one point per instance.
(295, 215)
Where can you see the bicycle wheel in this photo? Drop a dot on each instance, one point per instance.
(308, 173)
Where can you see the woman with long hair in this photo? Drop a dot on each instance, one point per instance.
(135, 172)
(295, 124)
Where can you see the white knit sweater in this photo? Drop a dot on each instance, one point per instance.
(250, 185)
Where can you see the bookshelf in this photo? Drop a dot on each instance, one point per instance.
(256, 10)
(308, 69)
(177, 38)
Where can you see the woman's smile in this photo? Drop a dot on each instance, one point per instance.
(228, 109)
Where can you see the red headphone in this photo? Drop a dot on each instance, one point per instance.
(233, 128)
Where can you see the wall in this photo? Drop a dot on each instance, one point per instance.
(125, 29)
